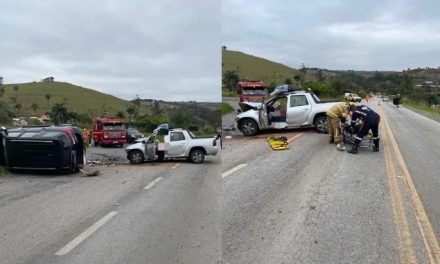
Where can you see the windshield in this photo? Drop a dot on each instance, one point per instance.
(112, 127)
(133, 130)
(256, 91)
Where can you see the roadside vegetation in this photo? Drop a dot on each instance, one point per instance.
(226, 109)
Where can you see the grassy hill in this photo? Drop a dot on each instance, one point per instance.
(250, 67)
(77, 98)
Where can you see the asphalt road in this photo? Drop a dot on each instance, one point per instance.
(314, 204)
(151, 213)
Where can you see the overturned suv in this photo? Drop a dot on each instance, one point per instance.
(51, 148)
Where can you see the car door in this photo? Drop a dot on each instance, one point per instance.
(298, 110)
(177, 144)
(151, 148)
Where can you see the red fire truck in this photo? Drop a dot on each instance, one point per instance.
(252, 91)
(109, 131)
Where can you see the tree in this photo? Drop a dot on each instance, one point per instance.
(132, 111)
(288, 81)
(48, 99)
(157, 111)
(297, 78)
(34, 107)
(120, 114)
(16, 92)
(59, 113)
(303, 71)
(230, 80)
(17, 107)
(320, 76)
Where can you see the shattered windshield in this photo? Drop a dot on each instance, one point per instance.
(257, 91)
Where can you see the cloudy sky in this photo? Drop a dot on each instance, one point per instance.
(336, 34)
(167, 49)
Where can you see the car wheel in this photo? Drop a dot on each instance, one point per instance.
(248, 127)
(136, 157)
(321, 124)
(160, 155)
(197, 156)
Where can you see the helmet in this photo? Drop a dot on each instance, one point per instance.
(351, 106)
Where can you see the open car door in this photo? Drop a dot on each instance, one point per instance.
(151, 148)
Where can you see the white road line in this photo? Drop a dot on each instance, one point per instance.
(175, 166)
(84, 235)
(151, 184)
(231, 171)
(295, 137)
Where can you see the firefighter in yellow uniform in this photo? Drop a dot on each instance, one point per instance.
(334, 115)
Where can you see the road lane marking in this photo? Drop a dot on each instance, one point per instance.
(151, 184)
(426, 231)
(84, 235)
(175, 166)
(295, 137)
(406, 246)
(231, 171)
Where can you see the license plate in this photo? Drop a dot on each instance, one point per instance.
(115, 142)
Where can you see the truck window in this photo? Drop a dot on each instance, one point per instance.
(113, 127)
(177, 136)
(298, 100)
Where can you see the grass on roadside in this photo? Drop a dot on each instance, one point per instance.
(226, 93)
(2, 171)
(422, 107)
(226, 109)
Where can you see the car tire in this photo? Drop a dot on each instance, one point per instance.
(248, 127)
(136, 157)
(160, 155)
(197, 156)
(320, 124)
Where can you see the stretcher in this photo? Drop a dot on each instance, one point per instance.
(278, 143)
(348, 137)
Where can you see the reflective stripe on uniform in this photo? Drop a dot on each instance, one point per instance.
(358, 138)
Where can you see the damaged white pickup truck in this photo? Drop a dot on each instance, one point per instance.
(293, 109)
(177, 143)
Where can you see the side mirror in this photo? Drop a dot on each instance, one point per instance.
(239, 110)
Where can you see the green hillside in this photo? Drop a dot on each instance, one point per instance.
(76, 98)
(250, 67)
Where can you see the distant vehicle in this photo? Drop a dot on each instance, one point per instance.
(284, 110)
(109, 131)
(252, 91)
(133, 134)
(352, 97)
(52, 148)
(177, 143)
(385, 98)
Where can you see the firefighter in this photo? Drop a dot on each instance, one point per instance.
(368, 119)
(335, 114)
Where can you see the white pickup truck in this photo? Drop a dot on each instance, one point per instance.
(284, 110)
(177, 143)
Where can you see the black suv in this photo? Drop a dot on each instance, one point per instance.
(133, 134)
(53, 148)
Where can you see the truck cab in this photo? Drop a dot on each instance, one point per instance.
(252, 91)
(109, 131)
